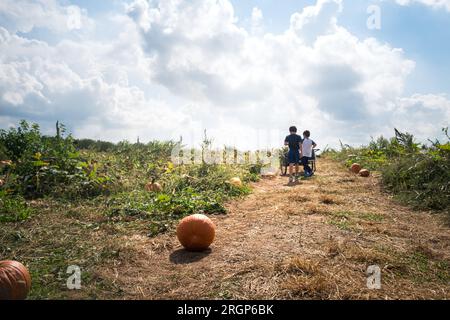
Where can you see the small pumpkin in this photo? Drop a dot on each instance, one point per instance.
(15, 280)
(364, 173)
(269, 175)
(236, 181)
(356, 168)
(196, 232)
(153, 187)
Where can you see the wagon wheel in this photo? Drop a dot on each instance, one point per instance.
(314, 163)
(283, 169)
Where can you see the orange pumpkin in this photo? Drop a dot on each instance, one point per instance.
(236, 182)
(269, 175)
(364, 173)
(15, 280)
(196, 232)
(153, 187)
(356, 168)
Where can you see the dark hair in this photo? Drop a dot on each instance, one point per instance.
(307, 134)
(293, 129)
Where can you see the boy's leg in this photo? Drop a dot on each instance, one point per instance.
(306, 167)
(297, 164)
(291, 158)
(291, 172)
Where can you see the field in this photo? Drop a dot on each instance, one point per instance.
(67, 202)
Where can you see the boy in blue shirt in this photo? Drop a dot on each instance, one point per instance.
(306, 151)
(294, 142)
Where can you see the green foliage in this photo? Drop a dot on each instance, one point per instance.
(13, 208)
(48, 165)
(417, 174)
(422, 178)
(95, 145)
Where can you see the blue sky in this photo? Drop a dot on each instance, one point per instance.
(244, 70)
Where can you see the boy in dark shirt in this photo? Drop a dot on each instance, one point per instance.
(294, 142)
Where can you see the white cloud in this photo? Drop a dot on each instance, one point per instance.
(25, 15)
(171, 68)
(318, 19)
(422, 115)
(436, 4)
(257, 21)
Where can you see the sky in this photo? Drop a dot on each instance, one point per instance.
(244, 70)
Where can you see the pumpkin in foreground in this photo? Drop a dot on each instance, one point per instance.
(15, 280)
(356, 168)
(196, 232)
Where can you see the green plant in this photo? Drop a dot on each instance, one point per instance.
(44, 165)
(417, 174)
(13, 208)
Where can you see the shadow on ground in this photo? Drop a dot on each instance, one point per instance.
(182, 256)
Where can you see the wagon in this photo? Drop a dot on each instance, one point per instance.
(284, 162)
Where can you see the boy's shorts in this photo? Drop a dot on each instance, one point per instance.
(305, 160)
(294, 157)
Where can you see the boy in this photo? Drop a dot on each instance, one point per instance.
(307, 152)
(293, 141)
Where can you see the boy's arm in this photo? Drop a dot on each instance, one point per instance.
(314, 144)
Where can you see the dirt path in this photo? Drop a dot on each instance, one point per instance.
(312, 240)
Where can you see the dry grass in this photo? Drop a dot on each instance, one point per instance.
(301, 266)
(329, 199)
(313, 240)
(303, 278)
(314, 208)
(314, 287)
